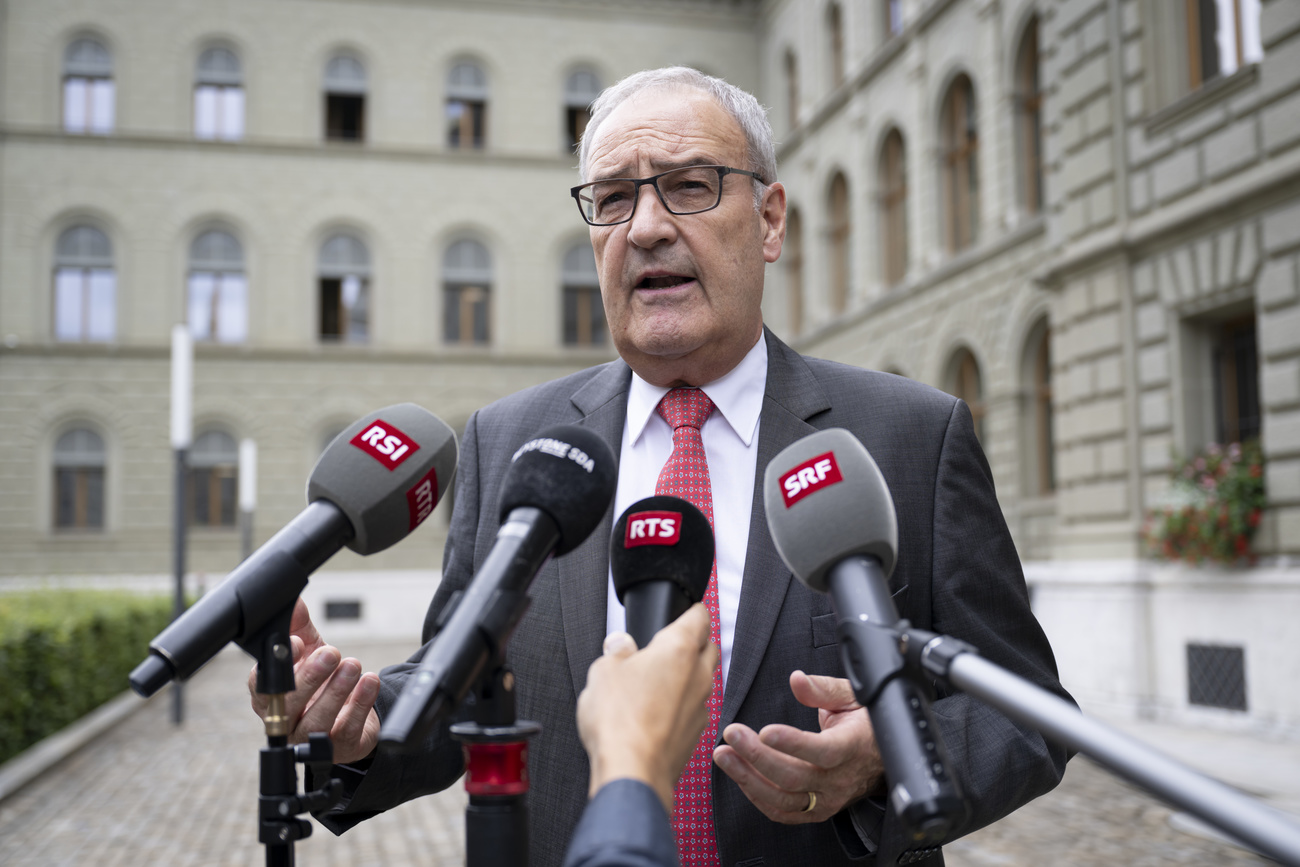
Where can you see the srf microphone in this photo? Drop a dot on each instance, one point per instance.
(661, 556)
(833, 522)
(373, 485)
(555, 492)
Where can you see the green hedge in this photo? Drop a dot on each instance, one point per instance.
(64, 653)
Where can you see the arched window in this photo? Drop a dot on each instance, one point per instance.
(960, 143)
(217, 307)
(584, 312)
(1036, 372)
(467, 99)
(791, 89)
(219, 96)
(79, 460)
(839, 236)
(580, 90)
(835, 43)
(1029, 109)
(87, 88)
(345, 99)
(794, 257)
(964, 381)
(892, 179)
(467, 293)
(344, 281)
(214, 474)
(85, 286)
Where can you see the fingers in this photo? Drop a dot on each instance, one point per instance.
(301, 626)
(784, 804)
(819, 691)
(356, 728)
(329, 697)
(783, 770)
(619, 645)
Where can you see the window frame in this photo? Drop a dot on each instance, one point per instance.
(88, 472)
(891, 174)
(959, 148)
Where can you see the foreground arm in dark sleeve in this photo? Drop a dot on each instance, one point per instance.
(625, 825)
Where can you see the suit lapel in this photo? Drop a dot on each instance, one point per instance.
(584, 571)
(792, 396)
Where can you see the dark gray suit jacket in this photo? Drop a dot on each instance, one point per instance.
(957, 574)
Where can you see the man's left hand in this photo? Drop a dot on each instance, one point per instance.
(780, 766)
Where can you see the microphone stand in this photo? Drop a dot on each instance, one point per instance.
(279, 802)
(496, 772)
(957, 664)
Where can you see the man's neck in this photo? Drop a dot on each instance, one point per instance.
(695, 369)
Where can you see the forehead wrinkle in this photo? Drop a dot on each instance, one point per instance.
(664, 140)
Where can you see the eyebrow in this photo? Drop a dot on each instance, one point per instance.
(657, 167)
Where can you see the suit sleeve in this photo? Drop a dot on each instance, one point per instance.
(625, 825)
(977, 593)
(381, 781)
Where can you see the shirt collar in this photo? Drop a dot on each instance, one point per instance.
(738, 396)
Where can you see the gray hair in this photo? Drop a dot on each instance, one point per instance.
(740, 104)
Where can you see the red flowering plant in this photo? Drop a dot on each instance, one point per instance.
(1212, 508)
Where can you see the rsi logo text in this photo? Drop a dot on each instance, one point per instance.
(809, 477)
(385, 443)
(421, 498)
(653, 528)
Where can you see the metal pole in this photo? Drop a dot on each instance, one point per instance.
(182, 386)
(247, 494)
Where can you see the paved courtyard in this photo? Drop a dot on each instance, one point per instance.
(148, 793)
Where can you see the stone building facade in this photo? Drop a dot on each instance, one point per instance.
(1072, 213)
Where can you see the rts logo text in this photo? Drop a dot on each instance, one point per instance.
(422, 497)
(809, 477)
(385, 443)
(653, 528)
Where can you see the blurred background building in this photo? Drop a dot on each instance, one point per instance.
(1081, 216)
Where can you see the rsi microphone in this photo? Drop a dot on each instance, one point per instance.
(661, 556)
(555, 492)
(373, 485)
(833, 522)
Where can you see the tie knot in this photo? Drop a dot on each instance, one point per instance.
(687, 407)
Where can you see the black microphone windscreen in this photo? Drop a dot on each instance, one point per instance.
(569, 473)
(826, 500)
(662, 539)
(386, 472)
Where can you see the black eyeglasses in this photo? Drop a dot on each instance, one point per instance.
(688, 190)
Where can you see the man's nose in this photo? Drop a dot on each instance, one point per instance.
(651, 223)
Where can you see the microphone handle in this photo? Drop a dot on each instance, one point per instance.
(652, 605)
(259, 588)
(923, 791)
(484, 619)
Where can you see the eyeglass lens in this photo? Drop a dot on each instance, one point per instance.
(685, 191)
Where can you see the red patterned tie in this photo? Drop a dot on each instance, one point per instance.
(686, 475)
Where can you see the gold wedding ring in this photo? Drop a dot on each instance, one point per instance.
(812, 803)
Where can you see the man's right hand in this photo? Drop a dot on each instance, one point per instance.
(332, 695)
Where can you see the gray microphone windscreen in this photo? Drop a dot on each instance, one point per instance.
(826, 500)
(386, 472)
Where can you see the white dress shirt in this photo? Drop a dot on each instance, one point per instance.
(731, 447)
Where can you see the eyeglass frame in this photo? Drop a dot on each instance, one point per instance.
(653, 181)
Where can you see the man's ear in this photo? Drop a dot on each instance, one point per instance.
(772, 213)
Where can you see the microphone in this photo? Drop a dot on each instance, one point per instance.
(555, 492)
(833, 522)
(661, 557)
(374, 484)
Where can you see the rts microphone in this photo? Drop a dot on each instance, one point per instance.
(373, 485)
(832, 519)
(555, 492)
(661, 556)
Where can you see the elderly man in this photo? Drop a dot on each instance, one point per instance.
(685, 212)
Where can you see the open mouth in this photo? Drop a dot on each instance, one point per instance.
(666, 281)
